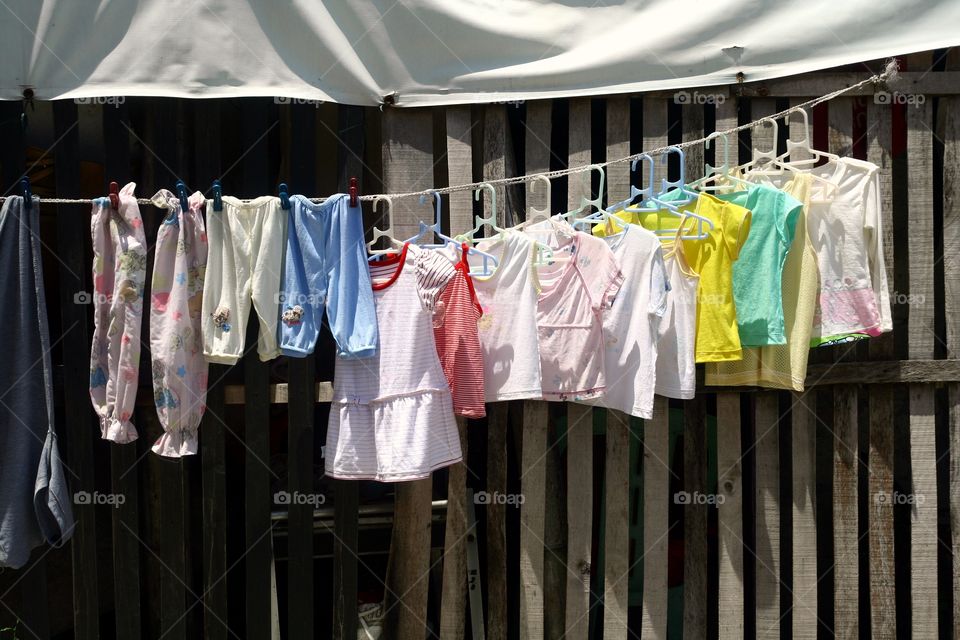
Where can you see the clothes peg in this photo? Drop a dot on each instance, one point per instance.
(217, 196)
(354, 192)
(284, 197)
(27, 194)
(182, 194)
(114, 196)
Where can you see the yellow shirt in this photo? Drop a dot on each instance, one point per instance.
(712, 259)
(783, 366)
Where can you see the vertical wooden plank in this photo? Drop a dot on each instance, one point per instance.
(617, 484)
(804, 552)
(533, 607)
(768, 514)
(73, 223)
(923, 549)
(656, 494)
(948, 127)
(256, 377)
(495, 149)
(454, 598)
(300, 417)
(730, 486)
(346, 493)
(498, 162)
(408, 165)
(845, 537)
(762, 136)
(656, 438)
(124, 477)
(840, 131)
(579, 420)
(533, 485)
(729, 471)
(883, 619)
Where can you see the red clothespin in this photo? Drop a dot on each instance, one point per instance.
(353, 191)
(114, 195)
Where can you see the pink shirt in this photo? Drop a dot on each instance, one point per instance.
(574, 296)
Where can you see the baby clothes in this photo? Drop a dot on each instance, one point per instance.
(458, 342)
(508, 327)
(757, 272)
(631, 325)
(35, 501)
(783, 366)
(119, 272)
(712, 258)
(326, 266)
(854, 301)
(391, 417)
(244, 266)
(176, 346)
(575, 296)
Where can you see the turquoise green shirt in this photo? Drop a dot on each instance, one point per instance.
(757, 272)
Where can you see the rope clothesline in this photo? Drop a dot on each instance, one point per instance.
(889, 73)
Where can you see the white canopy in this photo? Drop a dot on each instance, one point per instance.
(442, 51)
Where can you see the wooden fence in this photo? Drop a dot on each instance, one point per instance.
(835, 511)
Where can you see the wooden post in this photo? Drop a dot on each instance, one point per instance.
(804, 552)
(656, 496)
(730, 486)
(408, 166)
(845, 537)
(767, 444)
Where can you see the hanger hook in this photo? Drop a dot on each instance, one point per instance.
(389, 209)
(546, 190)
(493, 197)
(436, 207)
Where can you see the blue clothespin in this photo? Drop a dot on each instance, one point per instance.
(27, 194)
(284, 197)
(182, 194)
(217, 195)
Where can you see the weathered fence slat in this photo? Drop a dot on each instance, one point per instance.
(730, 517)
(845, 537)
(579, 418)
(454, 592)
(656, 464)
(408, 164)
(72, 224)
(617, 484)
(923, 534)
(533, 486)
(767, 451)
(804, 551)
(656, 495)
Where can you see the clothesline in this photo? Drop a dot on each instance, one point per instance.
(889, 73)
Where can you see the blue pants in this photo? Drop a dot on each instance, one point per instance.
(326, 266)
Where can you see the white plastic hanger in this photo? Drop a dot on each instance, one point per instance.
(673, 206)
(720, 177)
(378, 233)
(585, 202)
(532, 212)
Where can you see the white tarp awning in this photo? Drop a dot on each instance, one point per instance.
(442, 51)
